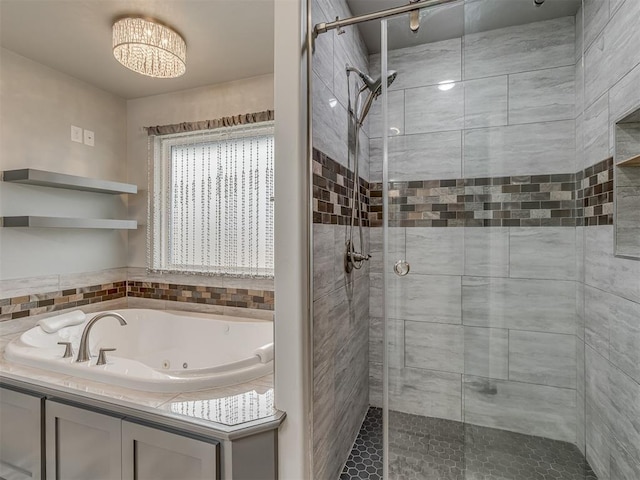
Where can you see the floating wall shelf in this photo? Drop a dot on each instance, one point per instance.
(630, 162)
(64, 222)
(29, 176)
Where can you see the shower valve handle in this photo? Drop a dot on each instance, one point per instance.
(360, 257)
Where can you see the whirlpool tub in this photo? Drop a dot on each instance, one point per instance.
(157, 351)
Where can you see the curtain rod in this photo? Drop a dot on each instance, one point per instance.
(325, 27)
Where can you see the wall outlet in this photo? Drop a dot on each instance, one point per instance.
(89, 138)
(76, 134)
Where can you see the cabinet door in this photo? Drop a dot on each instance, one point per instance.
(82, 444)
(20, 435)
(152, 454)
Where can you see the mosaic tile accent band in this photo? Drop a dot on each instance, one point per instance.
(333, 192)
(595, 194)
(36, 304)
(525, 200)
(227, 297)
(27, 305)
(567, 200)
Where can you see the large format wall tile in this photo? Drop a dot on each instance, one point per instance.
(322, 259)
(427, 64)
(624, 96)
(329, 123)
(539, 305)
(396, 247)
(536, 149)
(596, 131)
(542, 253)
(434, 346)
(425, 298)
(425, 156)
(622, 465)
(429, 109)
(603, 270)
(520, 48)
(426, 392)
(543, 358)
(542, 96)
(486, 252)
(521, 407)
(323, 48)
(596, 16)
(624, 337)
(435, 251)
(486, 352)
(395, 116)
(395, 341)
(598, 442)
(485, 102)
(625, 416)
(614, 53)
(598, 308)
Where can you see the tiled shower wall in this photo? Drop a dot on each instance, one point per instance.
(483, 328)
(340, 300)
(609, 286)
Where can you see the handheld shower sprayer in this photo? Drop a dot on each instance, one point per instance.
(354, 259)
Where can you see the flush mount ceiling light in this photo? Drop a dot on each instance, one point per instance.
(148, 47)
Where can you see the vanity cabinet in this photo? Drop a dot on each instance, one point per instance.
(83, 444)
(20, 435)
(151, 454)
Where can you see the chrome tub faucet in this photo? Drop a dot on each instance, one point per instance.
(83, 350)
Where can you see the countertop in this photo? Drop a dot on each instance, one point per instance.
(228, 412)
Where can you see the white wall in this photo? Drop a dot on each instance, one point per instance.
(205, 103)
(38, 105)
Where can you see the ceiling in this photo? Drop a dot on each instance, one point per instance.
(226, 39)
(456, 19)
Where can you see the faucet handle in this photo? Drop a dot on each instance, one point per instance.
(68, 352)
(102, 357)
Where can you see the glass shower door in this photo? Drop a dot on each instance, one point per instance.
(474, 142)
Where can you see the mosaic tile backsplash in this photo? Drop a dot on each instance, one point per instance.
(567, 200)
(36, 304)
(227, 297)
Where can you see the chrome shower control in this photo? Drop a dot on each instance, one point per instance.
(353, 259)
(401, 268)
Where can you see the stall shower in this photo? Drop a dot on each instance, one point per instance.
(493, 333)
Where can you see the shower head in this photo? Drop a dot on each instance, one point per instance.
(374, 87)
(374, 92)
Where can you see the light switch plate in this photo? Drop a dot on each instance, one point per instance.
(76, 134)
(89, 138)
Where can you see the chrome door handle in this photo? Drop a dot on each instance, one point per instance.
(401, 268)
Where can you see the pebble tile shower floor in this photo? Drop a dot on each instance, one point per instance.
(423, 448)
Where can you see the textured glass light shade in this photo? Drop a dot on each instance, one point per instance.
(149, 48)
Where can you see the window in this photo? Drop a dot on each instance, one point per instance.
(211, 202)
